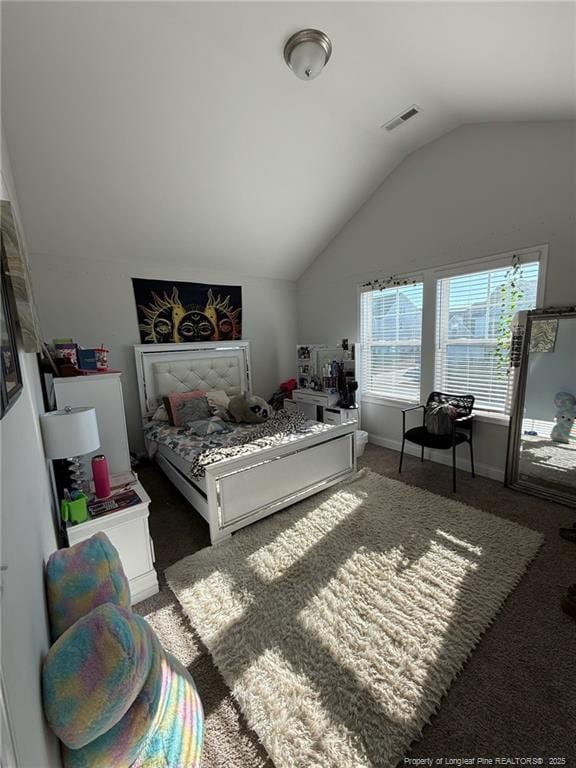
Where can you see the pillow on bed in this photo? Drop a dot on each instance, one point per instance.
(186, 406)
(191, 410)
(217, 398)
(222, 413)
(212, 426)
(160, 414)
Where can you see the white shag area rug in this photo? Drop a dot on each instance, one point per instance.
(339, 623)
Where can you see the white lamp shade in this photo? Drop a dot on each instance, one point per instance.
(307, 60)
(71, 432)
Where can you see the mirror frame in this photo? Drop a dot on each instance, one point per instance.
(512, 478)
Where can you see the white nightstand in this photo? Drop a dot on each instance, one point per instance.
(128, 532)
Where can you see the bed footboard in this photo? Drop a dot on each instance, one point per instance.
(246, 491)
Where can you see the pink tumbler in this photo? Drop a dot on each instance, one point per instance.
(101, 476)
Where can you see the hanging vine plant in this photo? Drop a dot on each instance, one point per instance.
(392, 281)
(511, 294)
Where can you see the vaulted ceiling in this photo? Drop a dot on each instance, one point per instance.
(162, 131)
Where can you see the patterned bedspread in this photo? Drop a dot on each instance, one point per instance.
(280, 429)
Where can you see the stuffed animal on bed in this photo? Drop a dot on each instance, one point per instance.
(250, 409)
(565, 403)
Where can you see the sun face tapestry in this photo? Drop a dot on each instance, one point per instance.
(171, 312)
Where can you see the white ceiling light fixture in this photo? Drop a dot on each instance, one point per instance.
(307, 52)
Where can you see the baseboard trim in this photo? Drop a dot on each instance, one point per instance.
(440, 457)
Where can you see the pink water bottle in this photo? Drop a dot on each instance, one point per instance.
(101, 476)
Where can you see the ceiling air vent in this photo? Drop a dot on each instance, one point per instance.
(402, 118)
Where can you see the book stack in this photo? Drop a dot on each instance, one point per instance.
(114, 503)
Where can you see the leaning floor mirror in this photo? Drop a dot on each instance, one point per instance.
(542, 440)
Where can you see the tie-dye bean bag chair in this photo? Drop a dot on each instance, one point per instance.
(114, 697)
(82, 577)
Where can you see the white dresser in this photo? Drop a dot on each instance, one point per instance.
(128, 532)
(104, 393)
(320, 406)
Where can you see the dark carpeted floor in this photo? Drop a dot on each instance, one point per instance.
(516, 696)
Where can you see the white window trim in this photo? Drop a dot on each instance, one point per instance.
(371, 397)
(429, 278)
(535, 253)
(391, 402)
(492, 417)
(489, 417)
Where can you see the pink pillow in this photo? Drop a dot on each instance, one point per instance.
(175, 400)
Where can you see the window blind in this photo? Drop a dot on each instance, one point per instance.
(469, 309)
(391, 338)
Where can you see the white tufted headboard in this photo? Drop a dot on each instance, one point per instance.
(164, 368)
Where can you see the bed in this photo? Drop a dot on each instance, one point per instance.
(236, 491)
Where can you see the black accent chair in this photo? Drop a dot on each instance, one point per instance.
(461, 429)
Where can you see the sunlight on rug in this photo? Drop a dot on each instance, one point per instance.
(340, 623)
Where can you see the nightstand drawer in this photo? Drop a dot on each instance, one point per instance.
(311, 399)
(323, 399)
(332, 416)
(340, 415)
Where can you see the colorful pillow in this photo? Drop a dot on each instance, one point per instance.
(163, 728)
(212, 426)
(178, 739)
(175, 404)
(93, 673)
(82, 577)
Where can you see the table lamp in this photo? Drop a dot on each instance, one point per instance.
(69, 434)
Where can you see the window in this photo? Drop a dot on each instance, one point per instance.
(445, 330)
(391, 338)
(468, 312)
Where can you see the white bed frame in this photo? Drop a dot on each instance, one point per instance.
(238, 491)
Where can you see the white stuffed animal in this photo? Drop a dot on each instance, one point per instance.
(250, 409)
(565, 403)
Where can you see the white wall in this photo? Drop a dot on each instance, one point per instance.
(94, 303)
(27, 537)
(551, 372)
(479, 190)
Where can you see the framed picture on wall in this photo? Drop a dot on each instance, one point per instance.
(18, 270)
(170, 311)
(10, 374)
